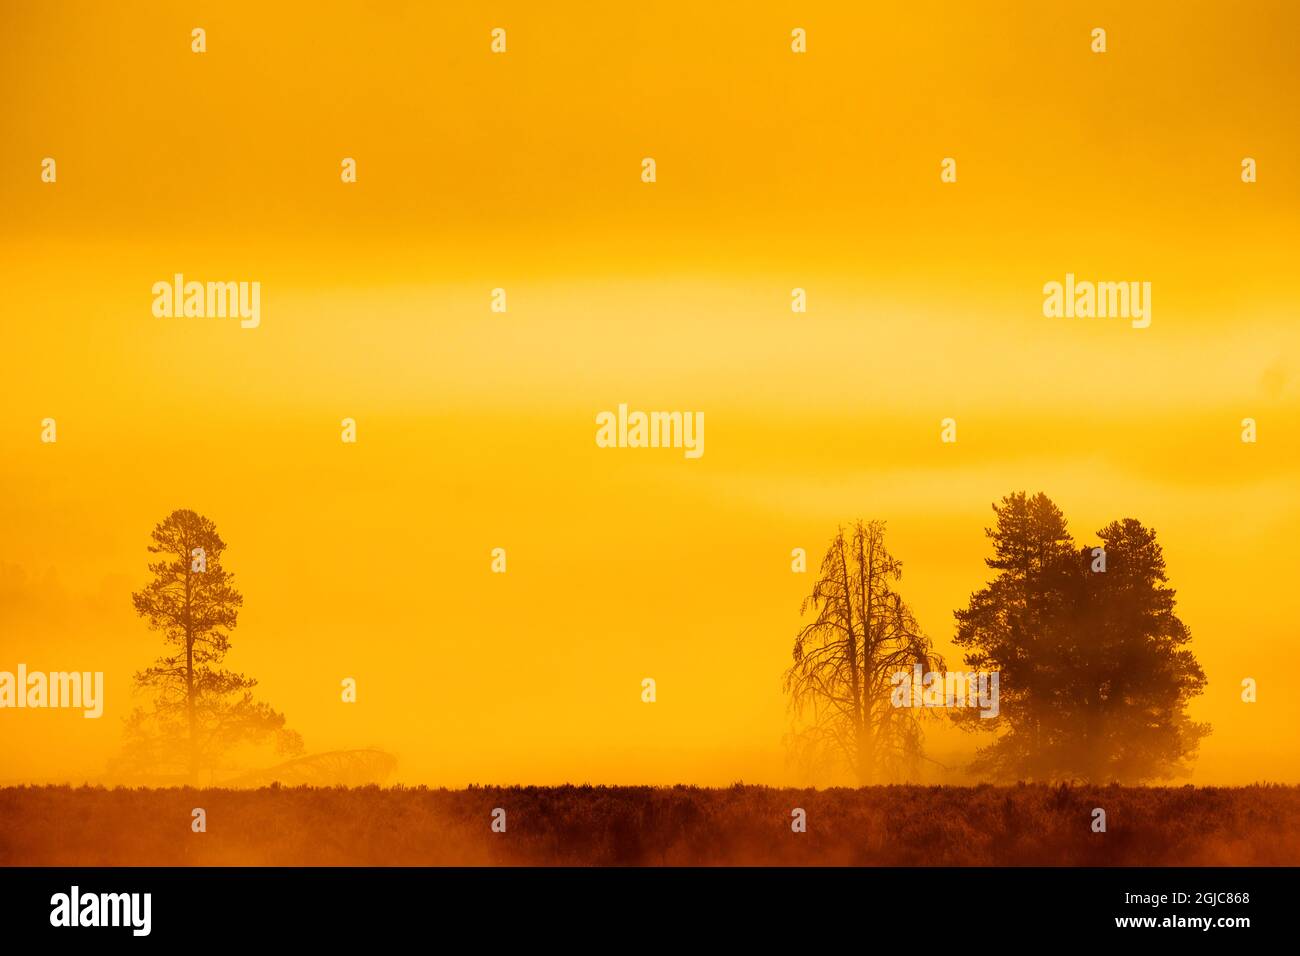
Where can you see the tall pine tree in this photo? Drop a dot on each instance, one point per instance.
(200, 712)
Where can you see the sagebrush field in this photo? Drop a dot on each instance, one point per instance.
(581, 825)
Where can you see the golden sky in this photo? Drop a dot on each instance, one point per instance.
(475, 429)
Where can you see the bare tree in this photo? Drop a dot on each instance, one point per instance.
(861, 635)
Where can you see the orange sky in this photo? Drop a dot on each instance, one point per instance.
(521, 171)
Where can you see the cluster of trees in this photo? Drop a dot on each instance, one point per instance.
(1095, 669)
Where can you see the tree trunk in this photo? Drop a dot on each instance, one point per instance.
(855, 683)
(867, 573)
(189, 673)
(866, 750)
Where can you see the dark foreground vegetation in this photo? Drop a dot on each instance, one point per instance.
(739, 825)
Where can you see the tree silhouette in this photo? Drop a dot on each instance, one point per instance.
(1095, 673)
(861, 635)
(200, 713)
(1011, 626)
(1132, 672)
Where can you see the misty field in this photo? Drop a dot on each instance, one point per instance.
(686, 826)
